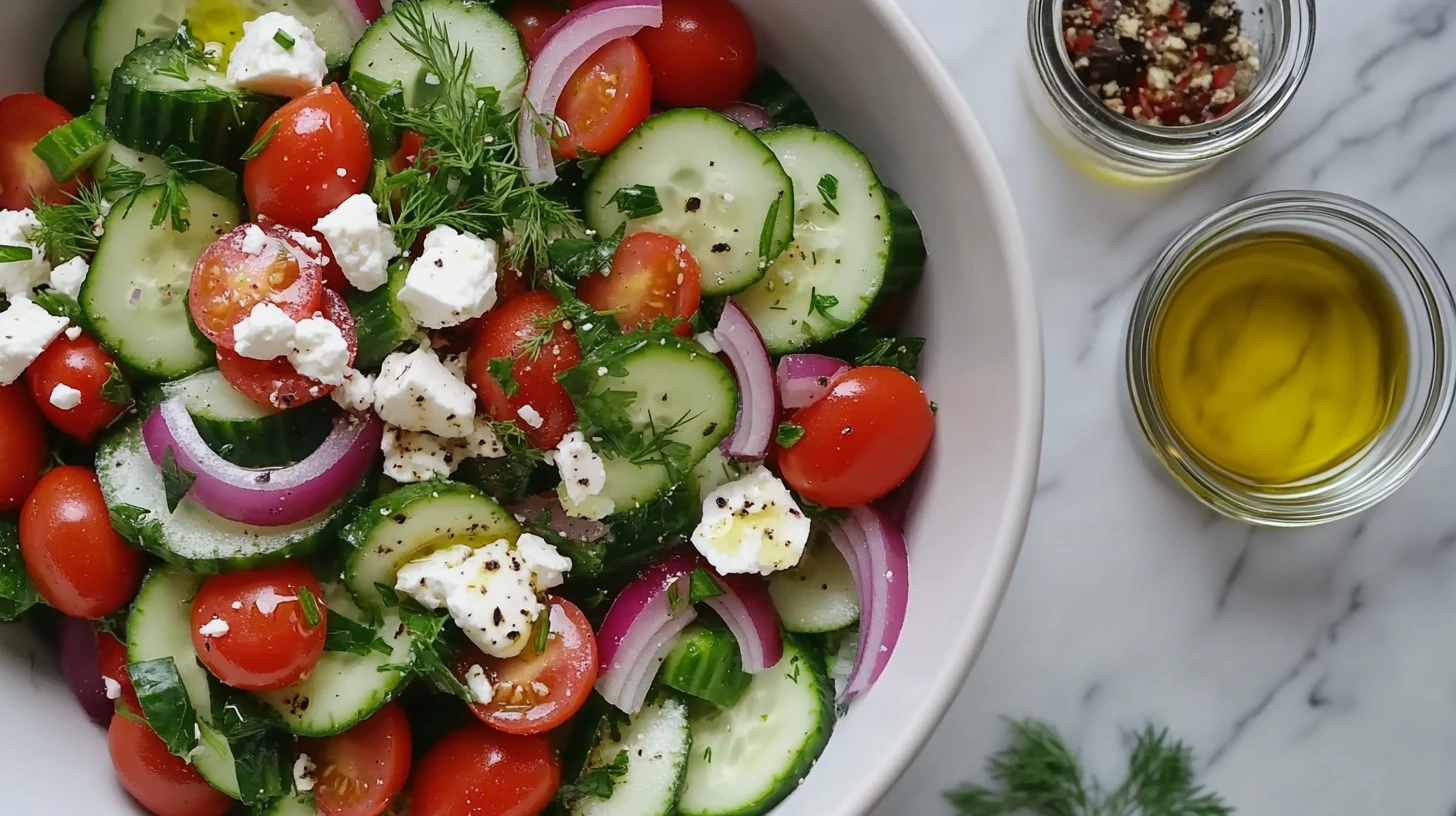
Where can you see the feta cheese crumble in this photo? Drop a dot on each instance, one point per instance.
(752, 525)
(357, 392)
(708, 342)
(548, 566)
(411, 456)
(361, 244)
(261, 63)
(320, 351)
(303, 773)
(17, 278)
(65, 397)
(265, 334)
(452, 281)
(217, 627)
(68, 277)
(583, 473)
(113, 688)
(479, 684)
(255, 240)
(530, 416)
(417, 392)
(73, 332)
(25, 331)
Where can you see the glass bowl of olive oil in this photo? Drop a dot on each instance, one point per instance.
(1290, 358)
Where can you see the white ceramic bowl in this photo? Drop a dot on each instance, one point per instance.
(867, 72)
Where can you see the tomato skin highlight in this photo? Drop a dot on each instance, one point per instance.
(276, 382)
(532, 18)
(503, 333)
(295, 180)
(22, 446)
(606, 99)
(861, 440)
(24, 119)
(262, 648)
(81, 364)
(228, 281)
(358, 772)
(479, 771)
(537, 692)
(79, 564)
(702, 56)
(164, 784)
(653, 275)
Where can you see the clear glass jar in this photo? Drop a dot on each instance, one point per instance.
(1114, 148)
(1429, 316)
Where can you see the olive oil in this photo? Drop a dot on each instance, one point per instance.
(1280, 357)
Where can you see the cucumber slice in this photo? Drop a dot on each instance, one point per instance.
(707, 664)
(748, 758)
(713, 472)
(383, 323)
(345, 689)
(831, 275)
(152, 168)
(907, 247)
(205, 116)
(299, 804)
(120, 25)
(675, 383)
(193, 537)
(780, 100)
(819, 594)
(136, 293)
(497, 58)
(72, 147)
(723, 193)
(657, 742)
(67, 73)
(245, 432)
(411, 522)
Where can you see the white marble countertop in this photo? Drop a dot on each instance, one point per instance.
(1312, 672)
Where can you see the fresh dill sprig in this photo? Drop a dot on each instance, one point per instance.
(1039, 775)
(72, 229)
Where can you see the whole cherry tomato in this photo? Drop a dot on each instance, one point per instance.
(79, 564)
(252, 629)
(702, 56)
(318, 155)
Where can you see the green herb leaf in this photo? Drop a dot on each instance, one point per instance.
(120, 181)
(17, 592)
(135, 524)
(676, 600)
(176, 480)
(502, 370)
(165, 703)
(283, 39)
(576, 258)
(789, 434)
(12, 254)
(70, 230)
(387, 594)
(214, 177)
(702, 586)
(863, 346)
(821, 304)
(708, 755)
(116, 390)
(542, 636)
(637, 201)
(587, 162)
(434, 651)
(829, 192)
(59, 304)
(598, 782)
(346, 635)
(173, 205)
(770, 226)
(309, 603)
(261, 143)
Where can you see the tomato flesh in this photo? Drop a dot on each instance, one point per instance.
(276, 382)
(358, 772)
(228, 281)
(24, 119)
(296, 179)
(702, 56)
(652, 276)
(22, 446)
(84, 365)
(606, 99)
(861, 440)
(164, 784)
(79, 564)
(479, 771)
(265, 640)
(521, 329)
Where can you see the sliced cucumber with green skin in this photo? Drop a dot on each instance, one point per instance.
(830, 276)
(907, 247)
(780, 100)
(411, 522)
(675, 383)
(245, 432)
(204, 116)
(383, 322)
(120, 25)
(152, 168)
(136, 293)
(497, 58)
(707, 664)
(657, 742)
(159, 626)
(723, 194)
(196, 538)
(345, 689)
(748, 758)
(67, 74)
(73, 147)
(713, 472)
(819, 594)
(299, 804)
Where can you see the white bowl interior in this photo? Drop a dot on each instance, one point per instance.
(867, 73)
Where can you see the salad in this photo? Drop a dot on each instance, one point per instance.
(450, 408)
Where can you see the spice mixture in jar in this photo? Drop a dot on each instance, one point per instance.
(1161, 62)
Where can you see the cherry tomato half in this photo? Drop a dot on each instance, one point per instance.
(653, 275)
(164, 784)
(22, 446)
(112, 660)
(229, 280)
(265, 640)
(24, 119)
(702, 56)
(295, 180)
(316, 246)
(538, 691)
(78, 563)
(519, 330)
(358, 772)
(532, 18)
(606, 99)
(479, 771)
(861, 440)
(81, 364)
(275, 382)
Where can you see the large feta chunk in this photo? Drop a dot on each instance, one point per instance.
(548, 566)
(361, 244)
(583, 473)
(453, 281)
(488, 592)
(68, 277)
(65, 397)
(752, 525)
(25, 331)
(320, 351)
(417, 392)
(277, 55)
(17, 278)
(265, 334)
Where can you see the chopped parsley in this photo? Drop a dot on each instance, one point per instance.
(770, 226)
(502, 370)
(789, 434)
(116, 390)
(702, 586)
(598, 782)
(637, 201)
(11, 254)
(309, 603)
(176, 480)
(261, 143)
(578, 258)
(346, 635)
(284, 40)
(829, 192)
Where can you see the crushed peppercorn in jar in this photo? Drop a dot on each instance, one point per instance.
(1161, 62)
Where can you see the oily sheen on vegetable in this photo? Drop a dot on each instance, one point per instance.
(758, 406)
(267, 497)
(880, 563)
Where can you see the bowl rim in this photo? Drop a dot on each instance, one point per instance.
(871, 787)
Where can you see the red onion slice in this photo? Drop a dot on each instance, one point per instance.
(748, 114)
(576, 529)
(266, 497)
(804, 378)
(564, 48)
(81, 666)
(880, 563)
(757, 401)
(358, 14)
(641, 628)
(748, 610)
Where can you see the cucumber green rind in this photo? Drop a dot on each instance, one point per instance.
(658, 741)
(384, 323)
(247, 433)
(907, 247)
(707, 664)
(780, 100)
(72, 147)
(411, 522)
(67, 73)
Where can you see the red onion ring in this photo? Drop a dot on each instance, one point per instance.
(641, 628)
(576, 529)
(358, 14)
(748, 610)
(81, 666)
(564, 48)
(880, 563)
(748, 114)
(804, 378)
(266, 497)
(757, 401)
